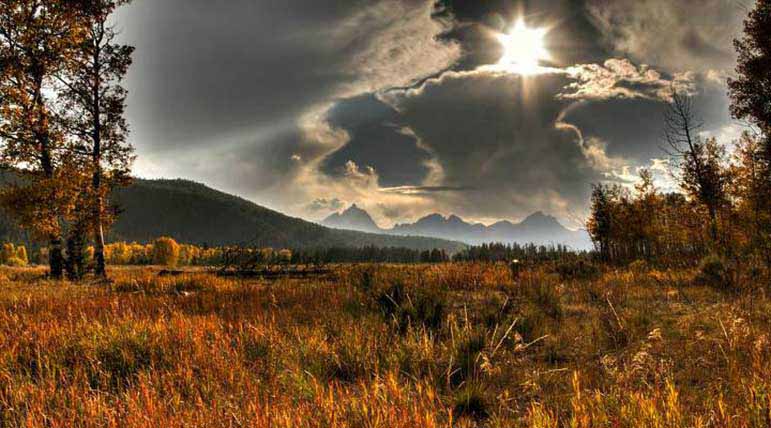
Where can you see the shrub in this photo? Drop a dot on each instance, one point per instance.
(21, 254)
(714, 272)
(9, 252)
(639, 267)
(578, 270)
(42, 256)
(165, 252)
(88, 254)
(546, 296)
(609, 329)
(16, 262)
(122, 358)
(285, 256)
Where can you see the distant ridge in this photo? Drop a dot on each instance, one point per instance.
(538, 228)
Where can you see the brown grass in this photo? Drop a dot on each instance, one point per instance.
(630, 349)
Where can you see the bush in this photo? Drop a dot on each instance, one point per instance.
(42, 256)
(285, 256)
(16, 262)
(578, 270)
(21, 254)
(9, 252)
(546, 296)
(165, 252)
(639, 267)
(714, 272)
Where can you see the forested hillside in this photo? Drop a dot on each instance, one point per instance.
(193, 213)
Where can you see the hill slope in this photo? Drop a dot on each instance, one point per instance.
(194, 213)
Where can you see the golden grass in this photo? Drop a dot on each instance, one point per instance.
(629, 349)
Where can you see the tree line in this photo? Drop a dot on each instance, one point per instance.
(63, 133)
(723, 207)
(167, 252)
(368, 254)
(498, 252)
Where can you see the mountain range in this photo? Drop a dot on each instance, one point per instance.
(538, 228)
(193, 213)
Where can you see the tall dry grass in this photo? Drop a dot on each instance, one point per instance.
(369, 348)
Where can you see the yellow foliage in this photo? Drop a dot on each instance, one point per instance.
(21, 254)
(165, 252)
(9, 252)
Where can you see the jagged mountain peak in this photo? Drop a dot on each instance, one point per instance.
(455, 219)
(353, 218)
(538, 228)
(540, 219)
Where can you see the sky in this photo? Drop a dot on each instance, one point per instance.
(410, 107)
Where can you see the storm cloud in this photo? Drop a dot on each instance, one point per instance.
(310, 105)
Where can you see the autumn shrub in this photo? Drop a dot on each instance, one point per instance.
(21, 254)
(714, 272)
(165, 252)
(610, 329)
(364, 278)
(13, 256)
(8, 252)
(284, 256)
(639, 267)
(122, 356)
(16, 262)
(542, 292)
(578, 270)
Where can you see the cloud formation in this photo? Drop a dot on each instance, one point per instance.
(503, 140)
(683, 35)
(216, 87)
(310, 105)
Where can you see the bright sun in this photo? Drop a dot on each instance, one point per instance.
(524, 49)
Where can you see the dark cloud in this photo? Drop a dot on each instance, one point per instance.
(498, 133)
(623, 106)
(638, 139)
(376, 139)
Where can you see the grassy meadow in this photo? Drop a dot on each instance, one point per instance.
(446, 345)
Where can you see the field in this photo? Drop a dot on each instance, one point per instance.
(448, 345)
